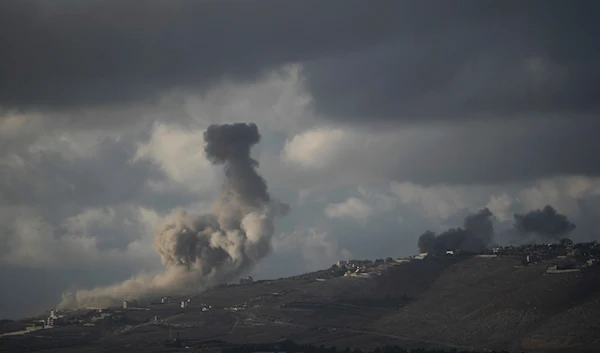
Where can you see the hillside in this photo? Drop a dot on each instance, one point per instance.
(461, 302)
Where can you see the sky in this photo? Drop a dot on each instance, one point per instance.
(379, 120)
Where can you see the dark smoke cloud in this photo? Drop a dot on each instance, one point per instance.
(426, 241)
(198, 251)
(546, 223)
(477, 234)
(230, 145)
(480, 224)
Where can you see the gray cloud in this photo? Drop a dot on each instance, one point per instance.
(69, 53)
(530, 59)
(389, 59)
(64, 185)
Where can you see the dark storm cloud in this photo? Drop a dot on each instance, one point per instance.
(497, 152)
(385, 59)
(72, 53)
(531, 58)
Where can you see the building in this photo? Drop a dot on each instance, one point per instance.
(166, 300)
(421, 256)
(342, 263)
(359, 263)
(131, 303)
(449, 252)
(184, 304)
(56, 317)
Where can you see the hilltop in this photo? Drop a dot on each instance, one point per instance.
(492, 301)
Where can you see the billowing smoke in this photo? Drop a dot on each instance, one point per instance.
(477, 234)
(545, 223)
(198, 251)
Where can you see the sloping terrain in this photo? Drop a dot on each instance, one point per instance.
(466, 303)
(492, 304)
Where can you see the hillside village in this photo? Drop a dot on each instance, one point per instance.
(276, 302)
(564, 255)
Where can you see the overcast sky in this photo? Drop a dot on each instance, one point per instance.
(380, 120)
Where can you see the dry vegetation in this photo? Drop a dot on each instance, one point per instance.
(448, 302)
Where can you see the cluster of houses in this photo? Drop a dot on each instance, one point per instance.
(570, 257)
(367, 268)
(240, 307)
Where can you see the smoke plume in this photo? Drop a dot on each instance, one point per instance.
(545, 223)
(477, 234)
(199, 251)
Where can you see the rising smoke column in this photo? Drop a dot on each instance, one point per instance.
(426, 242)
(546, 223)
(198, 251)
(477, 234)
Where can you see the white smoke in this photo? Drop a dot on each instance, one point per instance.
(200, 251)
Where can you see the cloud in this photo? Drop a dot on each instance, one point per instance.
(516, 61)
(437, 202)
(352, 208)
(562, 193)
(449, 154)
(180, 154)
(317, 248)
(89, 239)
(185, 41)
(499, 206)
(315, 149)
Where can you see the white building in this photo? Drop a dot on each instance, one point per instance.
(421, 256)
(132, 303)
(184, 304)
(342, 263)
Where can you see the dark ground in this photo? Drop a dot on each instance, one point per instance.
(446, 302)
